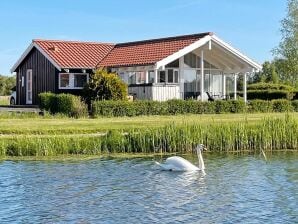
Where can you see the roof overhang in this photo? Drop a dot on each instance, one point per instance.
(225, 47)
(27, 51)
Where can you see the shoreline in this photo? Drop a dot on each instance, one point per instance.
(82, 157)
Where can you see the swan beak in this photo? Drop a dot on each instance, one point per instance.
(205, 148)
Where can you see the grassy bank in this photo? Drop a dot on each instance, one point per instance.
(226, 133)
(19, 124)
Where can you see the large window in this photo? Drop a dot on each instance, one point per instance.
(72, 80)
(162, 76)
(136, 77)
(151, 77)
(168, 76)
(173, 76)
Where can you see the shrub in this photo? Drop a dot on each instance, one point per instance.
(222, 106)
(237, 106)
(281, 105)
(295, 105)
(105, 86)
(63, 103)
(295, 95)
(259, 106)
(172, 107)
(269, 94)
(47, 101)
(176, 107)
(270, 86)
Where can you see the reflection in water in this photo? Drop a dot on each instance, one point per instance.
(235, 189)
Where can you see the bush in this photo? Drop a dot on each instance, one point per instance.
(67, 104)
(47, 101)
(295, 105)
(269, 94)
(237, 106)
(260, 106)
(270, 86)
(171, 107)
(105, 86)
(295, 95)
(282, 106)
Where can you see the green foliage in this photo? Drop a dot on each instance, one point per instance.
(63, 103)
(175, 107)
(269, 91)
(47, 101)
(269, 94)
(269, 134)
(287, 51)
(6, 84)
(295, 105)
(295, 93)
(282, 106)
(268, 74)
(269, 86)
(262, 106)
(171, 107)
(105, 86)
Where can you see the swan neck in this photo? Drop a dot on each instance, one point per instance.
(201, 161)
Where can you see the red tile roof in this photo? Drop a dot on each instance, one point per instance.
(147, 51)
(72, 54)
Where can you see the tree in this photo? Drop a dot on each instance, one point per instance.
(6, 84)
(103, 85)
(268, 73)
(287, 51)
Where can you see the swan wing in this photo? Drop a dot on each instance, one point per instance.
(177, 163)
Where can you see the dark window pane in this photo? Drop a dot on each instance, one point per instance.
(170, 76)
(162, 76)
(176, 76)
(64, 80)
(80, 80)
(174, 64)
(151, 77)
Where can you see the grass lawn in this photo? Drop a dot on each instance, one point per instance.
(67, 126)
(4, 100)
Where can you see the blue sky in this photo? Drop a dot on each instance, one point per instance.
(251, 26)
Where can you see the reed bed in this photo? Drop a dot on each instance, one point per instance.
(269, 134)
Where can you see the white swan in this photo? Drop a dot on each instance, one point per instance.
(176, 163)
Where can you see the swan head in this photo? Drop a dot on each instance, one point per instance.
(201, 148)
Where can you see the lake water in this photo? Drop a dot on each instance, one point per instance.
(235, 189)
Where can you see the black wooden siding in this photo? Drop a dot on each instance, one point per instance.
(43, 76)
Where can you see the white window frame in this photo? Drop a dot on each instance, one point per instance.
(167, 76)
(71, 80)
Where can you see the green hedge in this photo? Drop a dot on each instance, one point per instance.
(269, 94)
(295, 93)
(174, 107)
(270, 86)
(67, 104)
(171, 107)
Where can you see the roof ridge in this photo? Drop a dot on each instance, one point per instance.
(71, 41)
(165, 38)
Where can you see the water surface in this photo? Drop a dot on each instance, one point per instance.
(236, 189)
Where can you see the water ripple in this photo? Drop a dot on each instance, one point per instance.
(235, 190)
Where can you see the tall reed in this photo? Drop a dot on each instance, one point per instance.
(270, 134)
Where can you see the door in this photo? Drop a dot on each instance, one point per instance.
(29, 86)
